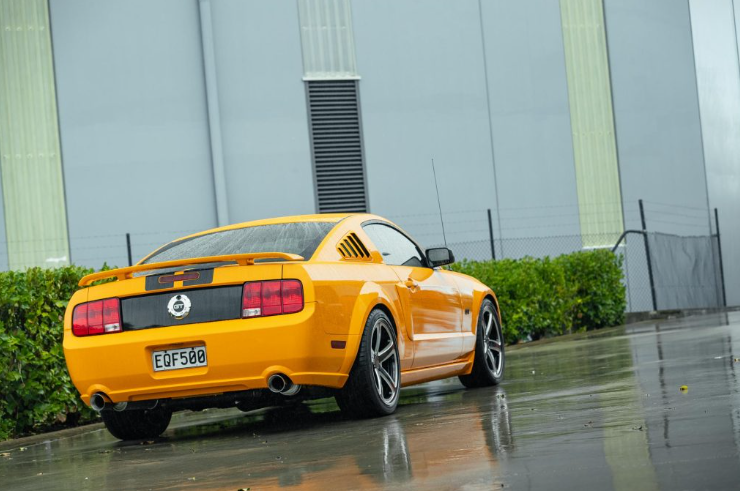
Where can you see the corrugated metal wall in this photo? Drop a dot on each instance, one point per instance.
(592, 121)
(35, 216)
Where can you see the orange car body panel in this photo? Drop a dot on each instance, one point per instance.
(435, 319)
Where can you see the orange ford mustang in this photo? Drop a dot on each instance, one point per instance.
(272, 311)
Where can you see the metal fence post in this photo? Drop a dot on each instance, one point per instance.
(647, 253)
(128, 248)
(721, 266)
(490, 235)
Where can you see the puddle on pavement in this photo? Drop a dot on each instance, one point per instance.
(596, 411)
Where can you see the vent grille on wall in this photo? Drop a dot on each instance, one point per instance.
(351, 247)
(336, 145)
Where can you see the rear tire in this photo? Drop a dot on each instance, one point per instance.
(375, 380)
(136, 424)
(488, 364)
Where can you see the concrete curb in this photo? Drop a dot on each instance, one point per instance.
(635, 317)
(25, 441)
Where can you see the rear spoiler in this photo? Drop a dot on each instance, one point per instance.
(240, 259)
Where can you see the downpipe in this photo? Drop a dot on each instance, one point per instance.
(281, 384)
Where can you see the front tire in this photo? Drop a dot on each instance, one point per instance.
(488, 364)
(375, 380)
(136, 424)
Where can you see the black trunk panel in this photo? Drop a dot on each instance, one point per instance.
(206, 305)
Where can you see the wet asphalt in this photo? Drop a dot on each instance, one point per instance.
(603, 410)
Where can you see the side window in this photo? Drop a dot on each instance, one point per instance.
(396, 248)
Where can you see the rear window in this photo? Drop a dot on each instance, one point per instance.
(293, 238)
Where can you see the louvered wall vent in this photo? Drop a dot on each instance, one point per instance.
(336, 145)
(351, 247)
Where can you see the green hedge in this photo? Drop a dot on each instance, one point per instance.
(36, 390)
(545, 297)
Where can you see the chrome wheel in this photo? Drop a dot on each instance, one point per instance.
(384, 361)
(492, 342)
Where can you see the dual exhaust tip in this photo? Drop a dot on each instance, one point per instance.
(100, 401)
(277, 383)
(281, 384)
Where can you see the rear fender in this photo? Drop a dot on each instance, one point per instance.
(372, 296)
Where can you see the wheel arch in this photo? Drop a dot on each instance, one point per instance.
(371, 298)
(478, 297)
(490, 296)
(382, 306)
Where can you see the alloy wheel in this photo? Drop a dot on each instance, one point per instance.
(492, 342)
(384, 360)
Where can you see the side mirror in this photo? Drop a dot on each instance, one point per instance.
(440, 256)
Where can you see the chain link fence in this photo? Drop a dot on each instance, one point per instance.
(684, 271)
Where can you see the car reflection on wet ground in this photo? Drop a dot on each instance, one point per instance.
(603, 410)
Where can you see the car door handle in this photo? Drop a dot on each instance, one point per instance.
(411, 284)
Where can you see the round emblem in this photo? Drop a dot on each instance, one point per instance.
(179, 306)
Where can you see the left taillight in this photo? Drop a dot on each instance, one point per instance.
(98, 317)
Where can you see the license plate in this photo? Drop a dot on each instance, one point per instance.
(176, 359)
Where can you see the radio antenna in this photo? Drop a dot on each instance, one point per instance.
(439, 204)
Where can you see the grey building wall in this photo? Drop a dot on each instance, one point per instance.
(478, 86)
(263, 109)
(656, 111)
(531, 124)
(424, 97)
(132, 113)
(718, 79)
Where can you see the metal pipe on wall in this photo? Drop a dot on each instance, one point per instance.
(214, 114)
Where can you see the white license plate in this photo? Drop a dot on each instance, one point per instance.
(175, 359)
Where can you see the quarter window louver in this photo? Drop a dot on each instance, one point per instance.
(336, 145)
(351, 247)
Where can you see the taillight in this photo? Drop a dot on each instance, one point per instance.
(292, 296)
(98, 317)
(263, 298)
(252, 299)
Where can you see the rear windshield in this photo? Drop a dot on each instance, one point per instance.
(294, 238)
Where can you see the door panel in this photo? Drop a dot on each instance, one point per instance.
(436, 315)
(430, 298)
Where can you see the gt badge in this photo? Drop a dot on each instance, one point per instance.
(179, 306)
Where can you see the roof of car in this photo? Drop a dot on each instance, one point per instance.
(325, 217)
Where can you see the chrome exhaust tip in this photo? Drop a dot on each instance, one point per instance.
(277, 383)
(280, 384)
(98, 401)
(120, 406)
(292, 390)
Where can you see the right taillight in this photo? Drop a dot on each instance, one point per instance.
(98, 317)
(274, 297)
(292, 296)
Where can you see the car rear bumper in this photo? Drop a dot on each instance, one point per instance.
(242, 354)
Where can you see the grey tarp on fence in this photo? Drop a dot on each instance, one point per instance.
(686, 271)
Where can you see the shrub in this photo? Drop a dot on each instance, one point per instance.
(36, 389)
(546, 297)
(600, 293)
